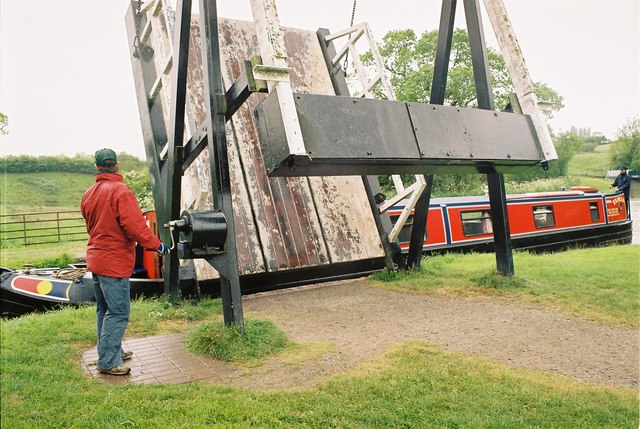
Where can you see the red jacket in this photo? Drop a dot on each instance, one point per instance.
(115, 223)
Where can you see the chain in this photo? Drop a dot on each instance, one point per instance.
(136, 40)
(353, 16)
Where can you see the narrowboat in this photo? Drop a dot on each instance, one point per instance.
(31, 289)
(541, 221)
(538, 222)
(39, 289)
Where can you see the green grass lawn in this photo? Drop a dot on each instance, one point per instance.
(38, 192)
(601, 284)
(412, 385)
(591, 164)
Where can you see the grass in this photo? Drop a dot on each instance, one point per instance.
(591, 164)
(42, 255)
(413, 385)
(601, 284)
(260, 339)
(36, 192)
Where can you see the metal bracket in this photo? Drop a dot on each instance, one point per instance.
(271, 73)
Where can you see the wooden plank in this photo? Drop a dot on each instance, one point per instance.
(286, 221)
(341, 202)
(281, 223)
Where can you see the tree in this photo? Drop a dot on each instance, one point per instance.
(410, 60)
(410, 63)
(626, 148)
(4, 124)
(549, 95)
(140, 184)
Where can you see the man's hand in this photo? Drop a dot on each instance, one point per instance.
(163, 249)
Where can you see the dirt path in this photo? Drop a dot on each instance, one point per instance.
(357, 321)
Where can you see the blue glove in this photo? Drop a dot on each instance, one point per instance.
(163, 249)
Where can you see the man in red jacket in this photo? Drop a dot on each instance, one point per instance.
(115, 224)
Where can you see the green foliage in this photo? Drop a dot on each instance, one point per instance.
(547, 94)
(140, 184)
(76, 164)
(567, 144)
(443, 184)
(495, 279)
(33, 164)
(626, 148)
(410, 61)
(59, 261)
(4, 124)
(260, 339)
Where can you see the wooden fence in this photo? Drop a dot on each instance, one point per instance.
(42, 227)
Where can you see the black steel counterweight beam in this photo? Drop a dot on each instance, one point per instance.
(438, 88)
(226, 263)
(495, 181)
(175, 153)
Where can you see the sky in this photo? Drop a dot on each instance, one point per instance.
(67, 87)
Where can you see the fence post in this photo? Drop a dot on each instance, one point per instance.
(58, 223)
(24, 228)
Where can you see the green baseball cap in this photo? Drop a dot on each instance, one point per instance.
(103, 155)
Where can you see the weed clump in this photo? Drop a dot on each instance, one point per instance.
(496, 280)
(228, 343)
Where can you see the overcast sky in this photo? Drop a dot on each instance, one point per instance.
(67, 87)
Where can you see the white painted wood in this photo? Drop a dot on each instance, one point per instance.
(519, 73)
(274, 53)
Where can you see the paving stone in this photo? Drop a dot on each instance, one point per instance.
(157, 359)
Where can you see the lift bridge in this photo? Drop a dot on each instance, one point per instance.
(263, 165)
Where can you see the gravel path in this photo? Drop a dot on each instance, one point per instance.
(359, 321)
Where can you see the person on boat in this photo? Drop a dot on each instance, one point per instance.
(623, 183)
(114, 223)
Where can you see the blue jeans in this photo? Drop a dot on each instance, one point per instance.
(113, 304)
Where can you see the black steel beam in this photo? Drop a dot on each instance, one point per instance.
(438, 89)
(175, 154)
(226, 263)
(349, 135)
(495, 181)
(235, 96)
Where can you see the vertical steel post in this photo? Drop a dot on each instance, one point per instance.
(495, 181)
(227, 262)
(176, 138)
(438, 87)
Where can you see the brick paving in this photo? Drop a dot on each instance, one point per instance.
(159, 359)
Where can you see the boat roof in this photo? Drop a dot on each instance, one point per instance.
(480, 199)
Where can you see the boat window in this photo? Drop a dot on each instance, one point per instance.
(477, 222)
(405, 233)
(543, 216)
(595, 213)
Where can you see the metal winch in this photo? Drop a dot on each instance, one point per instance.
(203, 233)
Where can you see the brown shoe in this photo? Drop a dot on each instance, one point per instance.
(118, 370)
(127, 355)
